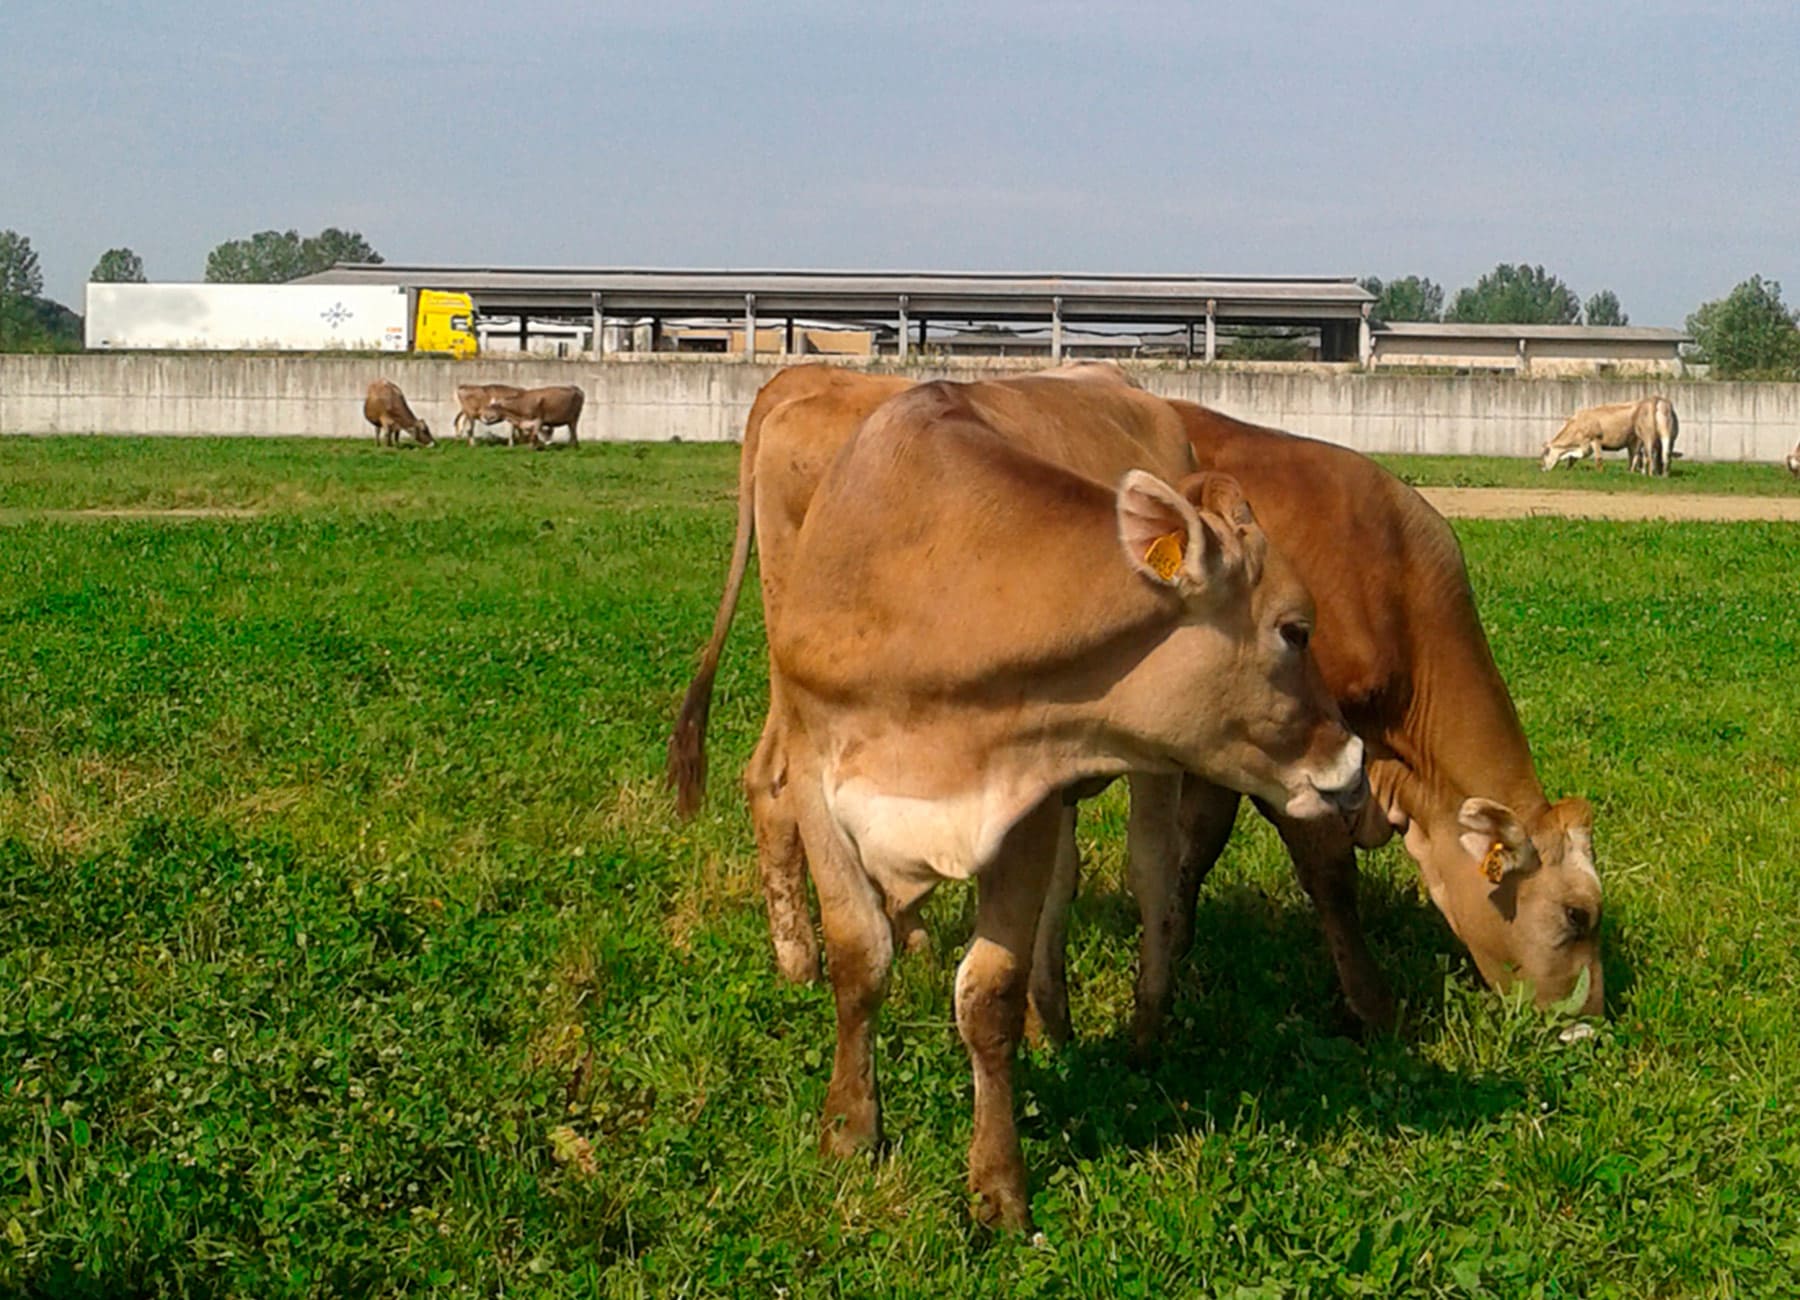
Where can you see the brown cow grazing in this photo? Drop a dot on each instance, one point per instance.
(384, 406)
(1644, 430)
(969, 629)
(805, 414)
(537, 411)
(1401, 646)
(471, 406)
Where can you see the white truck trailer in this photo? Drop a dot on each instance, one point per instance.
(278, 318)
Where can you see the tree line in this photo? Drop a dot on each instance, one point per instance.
(31, 322)
(1750, 333)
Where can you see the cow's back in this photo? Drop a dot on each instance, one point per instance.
(384, 403)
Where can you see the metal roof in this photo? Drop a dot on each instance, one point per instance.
(967, 295)
(1569, 333)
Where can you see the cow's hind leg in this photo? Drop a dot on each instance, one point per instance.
(1324, 857)
(991, 987)
(1154, 855)
(1172, 850)
(859, 952)
(1047, 1009)
(781, 859)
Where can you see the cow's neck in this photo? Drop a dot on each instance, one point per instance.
(1460, 738)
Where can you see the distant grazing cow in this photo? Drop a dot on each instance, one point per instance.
(385, 407)
(1793, 461)
(471, 406)
(1645, 430)
(537, 411)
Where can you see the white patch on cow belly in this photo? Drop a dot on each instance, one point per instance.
(907, 839)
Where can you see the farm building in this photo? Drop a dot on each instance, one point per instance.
(899, 311)
(897, 314)
(1529, 349)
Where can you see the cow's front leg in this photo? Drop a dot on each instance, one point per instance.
(1324, 857)
(991, 986)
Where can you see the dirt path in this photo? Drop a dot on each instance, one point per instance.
(1526, 503)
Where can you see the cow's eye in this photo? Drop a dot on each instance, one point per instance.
(1579, 920)
(1296, 633)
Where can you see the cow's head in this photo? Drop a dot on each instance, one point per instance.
(1243, 702)
(491, 413)
(1523, 896)
(422, 435)
(1558, 450)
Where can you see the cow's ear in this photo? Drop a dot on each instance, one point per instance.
(1495, 839)
(1160, 531)
(1225, 513)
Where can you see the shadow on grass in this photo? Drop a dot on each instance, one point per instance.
(1258, 1031)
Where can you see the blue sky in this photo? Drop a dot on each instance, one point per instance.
(1651, 148)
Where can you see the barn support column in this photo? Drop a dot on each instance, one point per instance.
(1190, 341)
(524, 332)
(787, 339)
(600, 329)
(900, 335)
(1212, 329)
(1365, 341)
(1056, 346)
(749, 327)
(921, 336)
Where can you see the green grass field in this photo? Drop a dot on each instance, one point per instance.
(348, 946)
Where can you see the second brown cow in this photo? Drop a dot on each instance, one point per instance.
(538, 411)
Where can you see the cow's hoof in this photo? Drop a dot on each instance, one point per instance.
(843, 1136)
(1002, 1205)
(1047, 1021)
(798, 963)
(1373, 1005)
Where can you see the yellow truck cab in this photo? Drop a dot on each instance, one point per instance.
(445, 322)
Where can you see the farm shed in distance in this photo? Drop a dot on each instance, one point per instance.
(901, 307)
(1529, 349)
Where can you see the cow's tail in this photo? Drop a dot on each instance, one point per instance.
(687, 745)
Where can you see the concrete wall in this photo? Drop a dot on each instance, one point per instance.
(705, 400)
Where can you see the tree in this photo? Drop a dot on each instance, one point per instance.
(1603, 309)
(21, 281)
(1516, 295)
(275, 256)
(1749, 333)
(1411, 297)
(331, 246)
(118, 266)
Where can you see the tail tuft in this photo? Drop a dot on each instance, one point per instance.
(687, 747)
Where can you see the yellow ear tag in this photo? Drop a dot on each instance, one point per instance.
(1164, 556)
(1493, 866)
